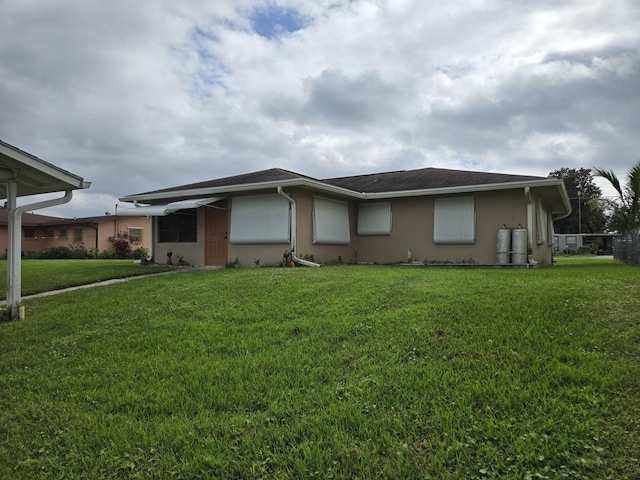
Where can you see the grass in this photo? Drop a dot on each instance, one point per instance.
(45, 275)
(340, 372)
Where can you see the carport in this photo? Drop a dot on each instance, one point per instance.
(24, 175)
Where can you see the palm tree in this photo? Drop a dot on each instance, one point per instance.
(626, 211)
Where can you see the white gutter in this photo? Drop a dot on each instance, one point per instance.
(319, 185)
(14, 256)
(293, 230)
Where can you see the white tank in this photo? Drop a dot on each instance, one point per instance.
(503, 245)
(519, 245)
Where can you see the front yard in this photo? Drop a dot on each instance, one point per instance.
(337, 372)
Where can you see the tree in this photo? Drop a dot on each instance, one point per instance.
(626, 208)
(587, 211)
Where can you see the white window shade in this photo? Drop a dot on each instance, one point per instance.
(260, 219)
(374, 218)
(330, 221)
(454, 220)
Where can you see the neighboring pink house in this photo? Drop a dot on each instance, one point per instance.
(40, 232)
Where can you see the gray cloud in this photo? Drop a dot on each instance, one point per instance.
(136, 97)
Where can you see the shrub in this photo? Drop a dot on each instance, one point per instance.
(140, 253)
(122, 245)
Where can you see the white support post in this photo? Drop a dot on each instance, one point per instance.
(13, 251)
(14, 243)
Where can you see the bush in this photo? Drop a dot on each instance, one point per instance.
(140, 253)
(122, 245)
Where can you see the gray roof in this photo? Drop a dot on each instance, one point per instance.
(397, 181)
(271, 175)
(422, 179)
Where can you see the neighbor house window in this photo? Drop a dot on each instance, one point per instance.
(330, 221)
(30, 233)
(260, 219)
(180, 227)
(62, 234)
(77, 234)
(374, 218)
(48, 233)
(454, 220)
(135, 235)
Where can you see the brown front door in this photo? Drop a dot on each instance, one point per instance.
(216, 233)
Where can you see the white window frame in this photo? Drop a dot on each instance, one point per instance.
(374, 218)
(454, 221)
(138, 238)
(330, 221)
(260, 219)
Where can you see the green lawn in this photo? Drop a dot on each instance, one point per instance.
(338, 372)
(44, 275)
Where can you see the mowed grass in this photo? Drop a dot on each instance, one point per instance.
(45, 275)
(338, 372)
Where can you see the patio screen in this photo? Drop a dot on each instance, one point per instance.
(454, 220)
(260, 219)
(330, 221)
(374, 218)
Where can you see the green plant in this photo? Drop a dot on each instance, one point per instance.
(122, 245)
(140, 253)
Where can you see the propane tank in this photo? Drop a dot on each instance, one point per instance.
(503, 245)
(519, 245)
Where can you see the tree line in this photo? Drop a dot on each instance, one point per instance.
(590, 212)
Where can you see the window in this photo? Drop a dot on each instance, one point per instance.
(135, 235)
(330, 221)
(374, 218)
(48, 233)
(260, 219)
(180, 227)
(77, 234)
(62, 234)
(454, 220)
(29, 233)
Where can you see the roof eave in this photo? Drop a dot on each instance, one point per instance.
(73, 181)
(345, 192)
(227, 189)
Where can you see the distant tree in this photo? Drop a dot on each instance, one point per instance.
(587, 210)
(626, 208)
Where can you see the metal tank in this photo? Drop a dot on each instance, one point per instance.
(519, 245)
(503, 245)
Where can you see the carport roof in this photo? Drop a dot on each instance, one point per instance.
(33, 175)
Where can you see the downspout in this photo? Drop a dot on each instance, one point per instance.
(530, 212)
(293, 232)
(14, 274)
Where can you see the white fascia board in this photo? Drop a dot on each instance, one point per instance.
(34, 163)
(463, 189)
(274, 184)
(345, 192)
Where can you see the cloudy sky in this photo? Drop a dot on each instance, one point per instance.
(137, 96)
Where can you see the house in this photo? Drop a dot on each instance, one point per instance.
(596, 243)
(41, 232)
(425, 215)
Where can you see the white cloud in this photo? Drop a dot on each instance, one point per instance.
(135, 97)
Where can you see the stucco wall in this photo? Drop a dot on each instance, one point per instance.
(192, 252)
(412, 229)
